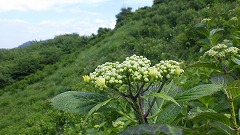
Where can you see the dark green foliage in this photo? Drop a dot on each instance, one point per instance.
(21, 62)
(146, 129)
(157, 1)
(123, 17)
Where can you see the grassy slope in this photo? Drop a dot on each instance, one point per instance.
(32, 103)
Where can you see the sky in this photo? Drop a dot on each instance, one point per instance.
(30, 20)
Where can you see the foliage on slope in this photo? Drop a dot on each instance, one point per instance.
(32, 75)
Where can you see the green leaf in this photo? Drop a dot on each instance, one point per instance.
(234, 88)
(221, 79)
(95, 108)
(196, 111)
(152, 130)
(213, 116)
(215, 31)
(239, 115)
(77, 102)
(223, 128)
(206, 65)
(207, 100)
(126, 116)
(163, 96)
(168, 114)
(198, 92)
(170, 89)
(235, 60)
(200, 25)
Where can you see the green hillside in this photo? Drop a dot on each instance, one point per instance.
(31, 76)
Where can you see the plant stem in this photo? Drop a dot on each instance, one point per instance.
(141, 118)
(154, 100)
(233, 114)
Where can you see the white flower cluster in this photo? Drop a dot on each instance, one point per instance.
(134, 69)
(118, 124)
(169, 68)
(108, 72)
(221, 51)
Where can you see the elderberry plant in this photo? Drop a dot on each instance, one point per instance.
(132, 79)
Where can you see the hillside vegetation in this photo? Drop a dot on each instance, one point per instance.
(170, 29)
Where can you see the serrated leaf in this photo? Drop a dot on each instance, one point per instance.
(226, 130)
(152, 130)
(194, 112)
(211, 115)
(170, 89)
(198, 92)
(207, 100)
(163, 96)
(219, 80)
(98, 106)
(77, 102)
(235, 60)
(234, 88)
(222, 79)
(168, 114)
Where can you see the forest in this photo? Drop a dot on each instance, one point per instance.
(172, 68)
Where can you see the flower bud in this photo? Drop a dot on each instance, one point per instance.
(100, 82)
(86, 78)
(153, 72)
(177, 71)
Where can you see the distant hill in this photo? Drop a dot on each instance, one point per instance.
(28, 43)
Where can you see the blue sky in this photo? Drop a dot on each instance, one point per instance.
(26, 20)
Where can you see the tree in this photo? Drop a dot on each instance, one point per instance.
(157, 1)
(101, 31)
(123, 16)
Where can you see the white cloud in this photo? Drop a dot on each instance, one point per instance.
(37, 5)
(105, 23)
(74, 10)
(142, 2)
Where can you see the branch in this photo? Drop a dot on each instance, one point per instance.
(129, 86)
(154, 99)
(125, 96)
(139, 90)
(147, 88)
(118, 91)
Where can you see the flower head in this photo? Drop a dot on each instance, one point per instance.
(169, 68)
(86, 78)
(221, 51)
(118, 124)
(134, 69)
(153, 72)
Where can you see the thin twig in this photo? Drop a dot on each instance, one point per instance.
(147, 88)
(154, 99)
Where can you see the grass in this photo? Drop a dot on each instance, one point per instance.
(28, 110)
